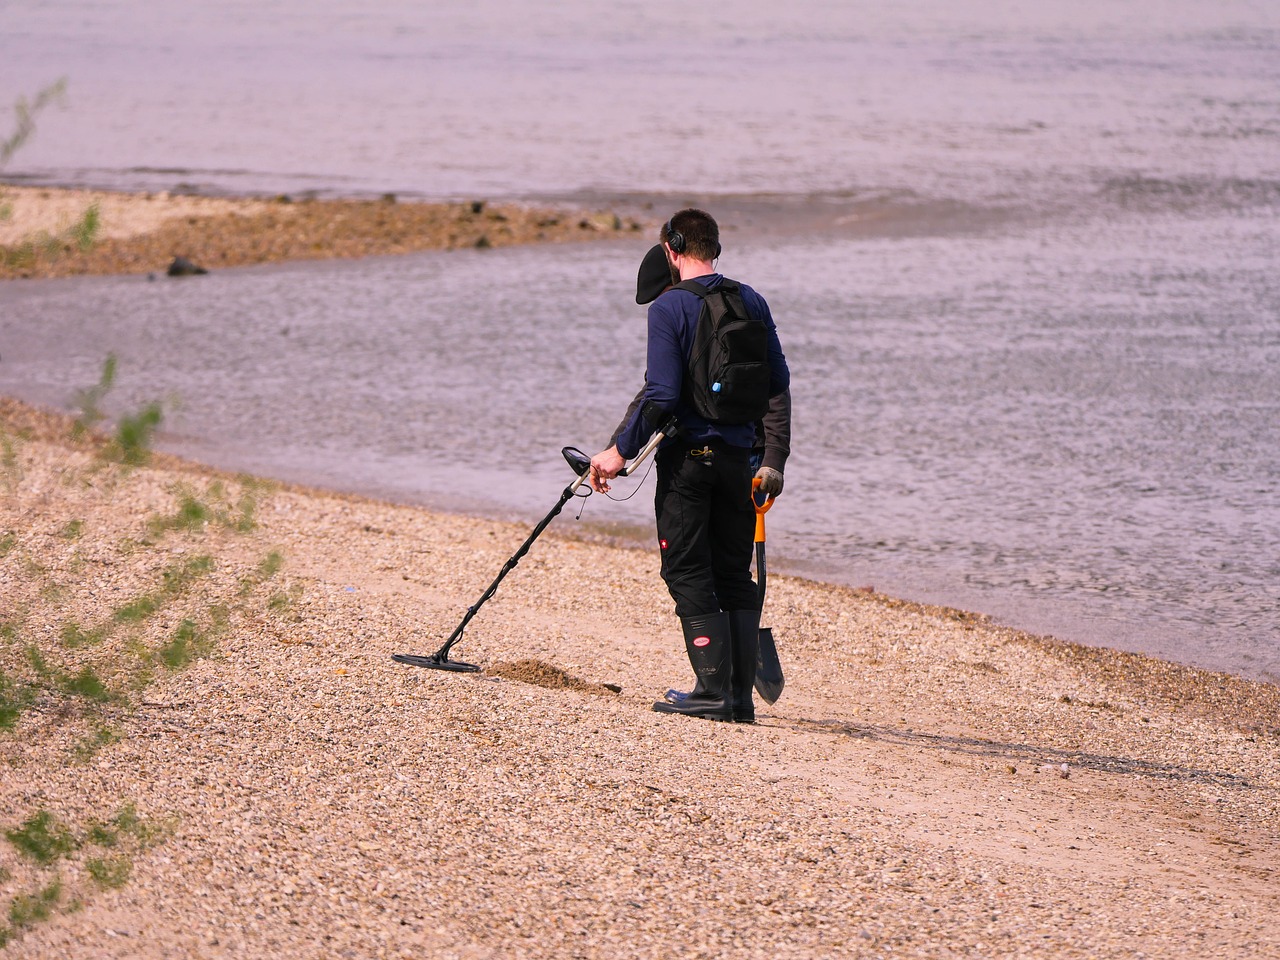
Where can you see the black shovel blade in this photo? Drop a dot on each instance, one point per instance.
(769, 679)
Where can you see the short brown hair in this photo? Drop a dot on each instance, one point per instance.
(695, 233)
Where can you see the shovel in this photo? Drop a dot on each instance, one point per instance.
(769, 679)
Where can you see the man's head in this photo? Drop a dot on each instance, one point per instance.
(692, 233)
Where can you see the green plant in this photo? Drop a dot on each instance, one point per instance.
(89, 400)
(84, 232)
(42, 838)
(38, 663)
(8, 542)
(271, 565)
(145, 831)
(86, 684)
(26, 910)
(26, 113)
(9, 461)
(132, 442)
(100, 737)
(14, 698)
(186, 645)
(282, 601)
(110, 873)
(73, 530)
(215, 505)
(173, 580)
(75, 636)
(135, 611)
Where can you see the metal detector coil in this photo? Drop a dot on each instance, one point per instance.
(580, 463)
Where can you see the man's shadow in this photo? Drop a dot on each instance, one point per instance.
(973, 746)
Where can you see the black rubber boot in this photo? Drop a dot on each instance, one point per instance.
(709, 644)
(744, 628)
(680, 696)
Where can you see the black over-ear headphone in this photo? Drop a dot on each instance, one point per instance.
(676, 241)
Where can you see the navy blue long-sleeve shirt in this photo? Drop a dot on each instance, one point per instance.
(673, 320)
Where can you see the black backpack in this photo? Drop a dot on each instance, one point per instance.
(727, 377)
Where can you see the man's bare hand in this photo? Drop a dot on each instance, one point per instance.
(604, 467)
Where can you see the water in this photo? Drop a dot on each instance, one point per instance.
(1024, 266)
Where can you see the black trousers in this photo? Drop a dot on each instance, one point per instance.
(706, 528)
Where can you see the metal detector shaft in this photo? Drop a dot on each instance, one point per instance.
(440, 659)
(510, 565)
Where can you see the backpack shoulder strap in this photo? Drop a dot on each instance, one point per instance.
(694, 287)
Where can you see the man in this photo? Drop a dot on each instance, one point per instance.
(705, 519)
(772, 443)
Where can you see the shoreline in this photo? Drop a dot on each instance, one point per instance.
(929, 783)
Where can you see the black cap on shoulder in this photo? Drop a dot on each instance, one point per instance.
(654, 275)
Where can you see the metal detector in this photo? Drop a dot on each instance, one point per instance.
(581, 465)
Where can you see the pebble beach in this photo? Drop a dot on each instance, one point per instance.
(206, 749)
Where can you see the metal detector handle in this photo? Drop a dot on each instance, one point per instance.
(668, 429)
(582, 478)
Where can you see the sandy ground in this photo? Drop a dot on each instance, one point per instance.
(142, 233)
(928, 785)
(203, 730)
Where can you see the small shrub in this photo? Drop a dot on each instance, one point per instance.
(74, 530)
(42, 839)
(271, 565)
(173, 581)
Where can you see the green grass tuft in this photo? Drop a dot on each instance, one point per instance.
(89, 400)
(75, 636)
(86, 684)
(14, 698)
(109, 873)
(186, 645)
(42, 839)
(29, 909)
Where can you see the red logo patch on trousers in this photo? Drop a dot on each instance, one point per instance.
(701, 641)
(662, 544)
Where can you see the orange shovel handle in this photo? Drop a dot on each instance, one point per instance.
(761, 508)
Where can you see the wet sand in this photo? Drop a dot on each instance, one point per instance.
(143, 233)
(929, 784)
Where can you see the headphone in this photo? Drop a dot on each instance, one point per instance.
(676, 241)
